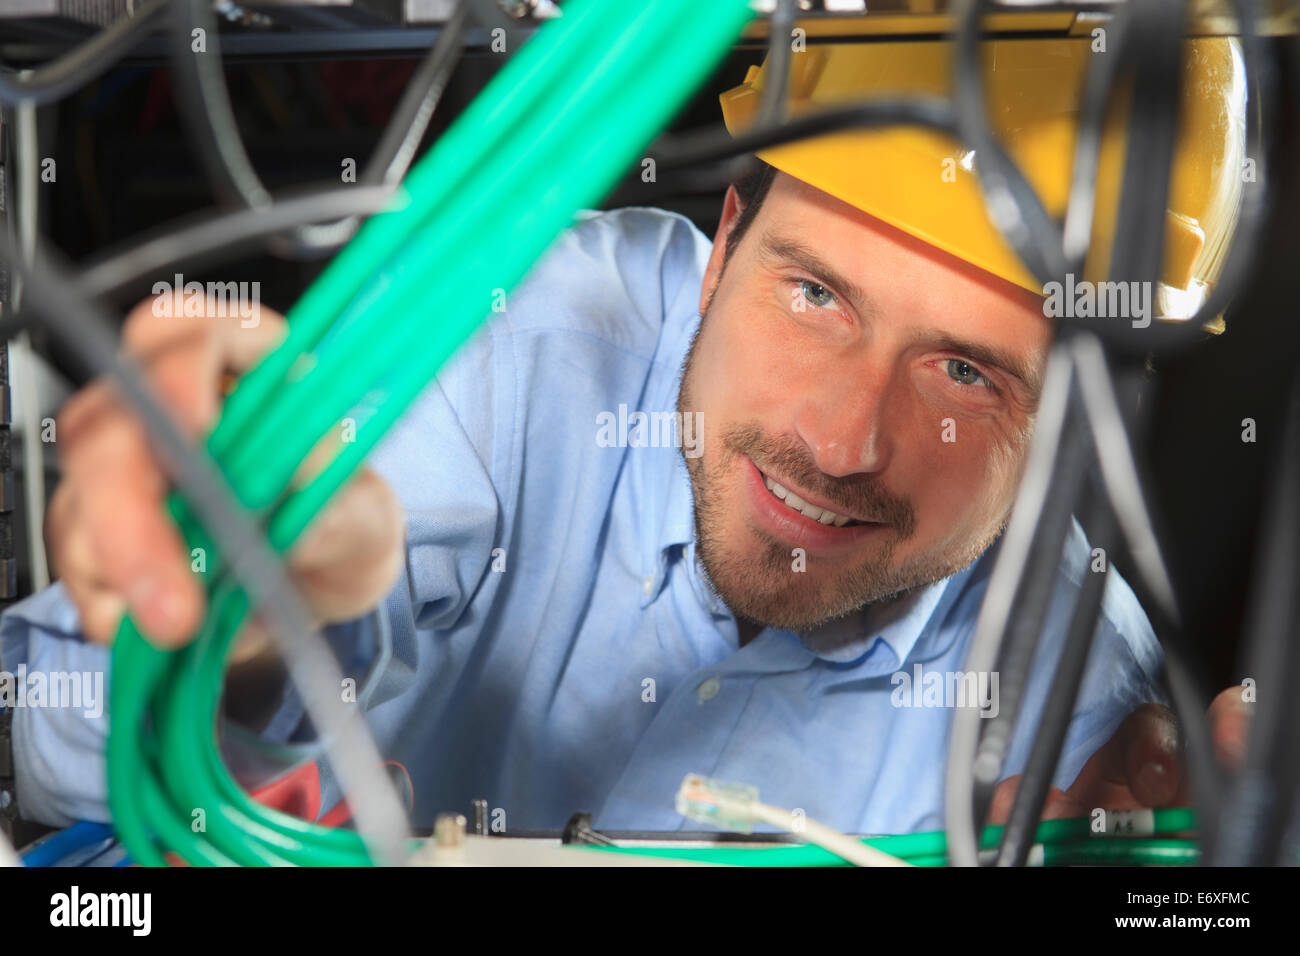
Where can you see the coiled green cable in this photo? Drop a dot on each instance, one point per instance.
(550, 135)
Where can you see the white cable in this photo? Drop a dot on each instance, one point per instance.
(8, 856)
(733, 806)
(33, 447)
(841, 844)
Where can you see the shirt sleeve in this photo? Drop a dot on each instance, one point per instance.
(59, 739)
(437, 463)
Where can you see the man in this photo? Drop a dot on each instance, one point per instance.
(683, 507)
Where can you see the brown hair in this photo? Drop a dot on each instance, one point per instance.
(752, 188)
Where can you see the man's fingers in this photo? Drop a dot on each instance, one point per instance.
(1142, 765)
(350, 555)
(110, 536)
(134, 546)
(1057, 805)
(144, 559)
(359, 524)
(114, 544)
(1151, 757)
(100, 609)
(186, 357)
(1229, 716)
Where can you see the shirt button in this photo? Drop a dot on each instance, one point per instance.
(709, 689)
(648, 586)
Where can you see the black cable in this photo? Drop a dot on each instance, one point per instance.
(85, 329)
(206, 112)
(73, 70)
(406, 127)
(1260, 799)
(1137, 249)
(1033, 598)
(772, 105)
(1168, 338)
(1121, 479)
(396, 149)
(204, 106)
(1011, 202)
(196, 240)
(1058, 709)
(1256, 206)
(1152, 38)
(1190, 701)
(1098, 90)
(1137, 252)
(713, 145)
(1012, 564)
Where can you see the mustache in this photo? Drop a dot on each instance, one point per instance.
(862, 496)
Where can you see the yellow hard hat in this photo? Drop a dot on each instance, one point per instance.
(924, 182)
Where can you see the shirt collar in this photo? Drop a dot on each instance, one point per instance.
(896, 622)
(659, 476)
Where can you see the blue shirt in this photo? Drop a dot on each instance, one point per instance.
(555, 646)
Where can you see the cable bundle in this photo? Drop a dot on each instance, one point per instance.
(549, 135)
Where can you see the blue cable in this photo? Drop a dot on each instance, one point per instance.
(66, 842)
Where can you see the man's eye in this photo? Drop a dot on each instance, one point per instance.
(816, 294)
(964, 373)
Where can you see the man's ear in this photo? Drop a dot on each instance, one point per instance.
(731, 209)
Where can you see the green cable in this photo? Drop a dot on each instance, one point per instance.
(360, 353)
(625, 78)
(1048, 832)
(519, 90)
(420, 377)
(1124, 851)
(1056, 835)
(514, 110)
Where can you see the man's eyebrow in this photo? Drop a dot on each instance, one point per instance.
(1013, 365)
(791, 250)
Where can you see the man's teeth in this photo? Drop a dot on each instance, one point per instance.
(808, 511)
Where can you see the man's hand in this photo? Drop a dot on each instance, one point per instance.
(109, 536)
(1142, 765)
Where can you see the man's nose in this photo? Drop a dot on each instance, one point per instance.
(847, 428)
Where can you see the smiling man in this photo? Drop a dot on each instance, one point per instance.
(577, 626)
(873, 427)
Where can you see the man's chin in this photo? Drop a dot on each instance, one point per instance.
(786, 599)
(767, 586)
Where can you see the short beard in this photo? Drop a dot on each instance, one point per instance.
(764, 588)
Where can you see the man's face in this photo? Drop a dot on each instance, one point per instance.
(863, 372)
